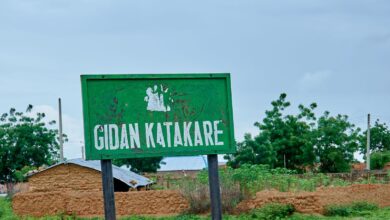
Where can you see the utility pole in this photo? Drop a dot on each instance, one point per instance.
(368, 143)
(82, 152)
(60, 131)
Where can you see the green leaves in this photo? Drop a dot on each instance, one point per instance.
(336, 140)
(299, 141)
(25, 140)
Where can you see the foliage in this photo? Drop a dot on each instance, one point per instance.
(379, 159)
(20, 175)
(353, 209)
(25, 140)
(140, 165)
(197, 195)
(6, 210)
(284, 140)
(244, 182)
(273, 211)
(336, 141)
(255, 178)
(379, 138)
(196, 191)
(299, 141)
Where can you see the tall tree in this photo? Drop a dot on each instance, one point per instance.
(379, 138)
(284, 139)
(25, 141)
(379, 145)
(336, 140)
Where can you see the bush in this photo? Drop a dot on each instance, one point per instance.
(356, 208)
(364, 206)
(273, 211)
(197, 195)
(379, 159)
(337, 210)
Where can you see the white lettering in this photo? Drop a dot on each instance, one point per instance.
(207, 130)
(124, 140)
(106, 136)
(187, 136)
(114, 136)
(160, 135)
(198, 137)
(134, 136)
(99, 141)
(168, 128)
(149, 135)
(216, 133)
(177, 140)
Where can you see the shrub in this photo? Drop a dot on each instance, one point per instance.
(197, 195)
(273, 211)
(364, 206)
(196, 191)
(379, 159)
(356, 208)
(337, 210)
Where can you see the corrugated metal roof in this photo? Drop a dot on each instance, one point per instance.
(183, 163)
(130, 178)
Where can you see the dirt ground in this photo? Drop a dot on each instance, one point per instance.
(168, 202)
(314, 202)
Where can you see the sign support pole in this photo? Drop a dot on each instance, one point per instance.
(108, 190)
(215, 194)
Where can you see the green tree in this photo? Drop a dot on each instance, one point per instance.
(379, 138)
(284, 139)
(379, 159)
(25, 141)
(252, 151)
(336, 140)
(140, 165)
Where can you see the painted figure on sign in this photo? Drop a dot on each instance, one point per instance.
(156, 100)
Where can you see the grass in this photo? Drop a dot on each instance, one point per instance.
(271, 211)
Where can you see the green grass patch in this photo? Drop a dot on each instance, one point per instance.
(353, 209)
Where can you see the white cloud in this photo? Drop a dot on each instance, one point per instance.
(312, 80)
(72, 127)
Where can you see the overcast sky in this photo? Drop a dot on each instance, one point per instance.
(336, 53)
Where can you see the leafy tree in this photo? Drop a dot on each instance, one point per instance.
(379, 159)
(140, 165)
(379, 138)
(284, 140)
(252, 151)
(25, 141)
(299, 141)
(20, 175)
(336, 140)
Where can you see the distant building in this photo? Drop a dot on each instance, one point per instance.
(387, 166)
(79, 174)
(358, 167)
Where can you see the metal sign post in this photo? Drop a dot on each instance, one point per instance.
(108, 190)
(215, 194)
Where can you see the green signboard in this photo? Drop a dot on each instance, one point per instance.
(147, 115)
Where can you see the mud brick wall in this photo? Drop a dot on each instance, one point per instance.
(83, 203)
(66, 177)
(314, 202)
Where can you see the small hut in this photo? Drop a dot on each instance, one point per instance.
(79, 174)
